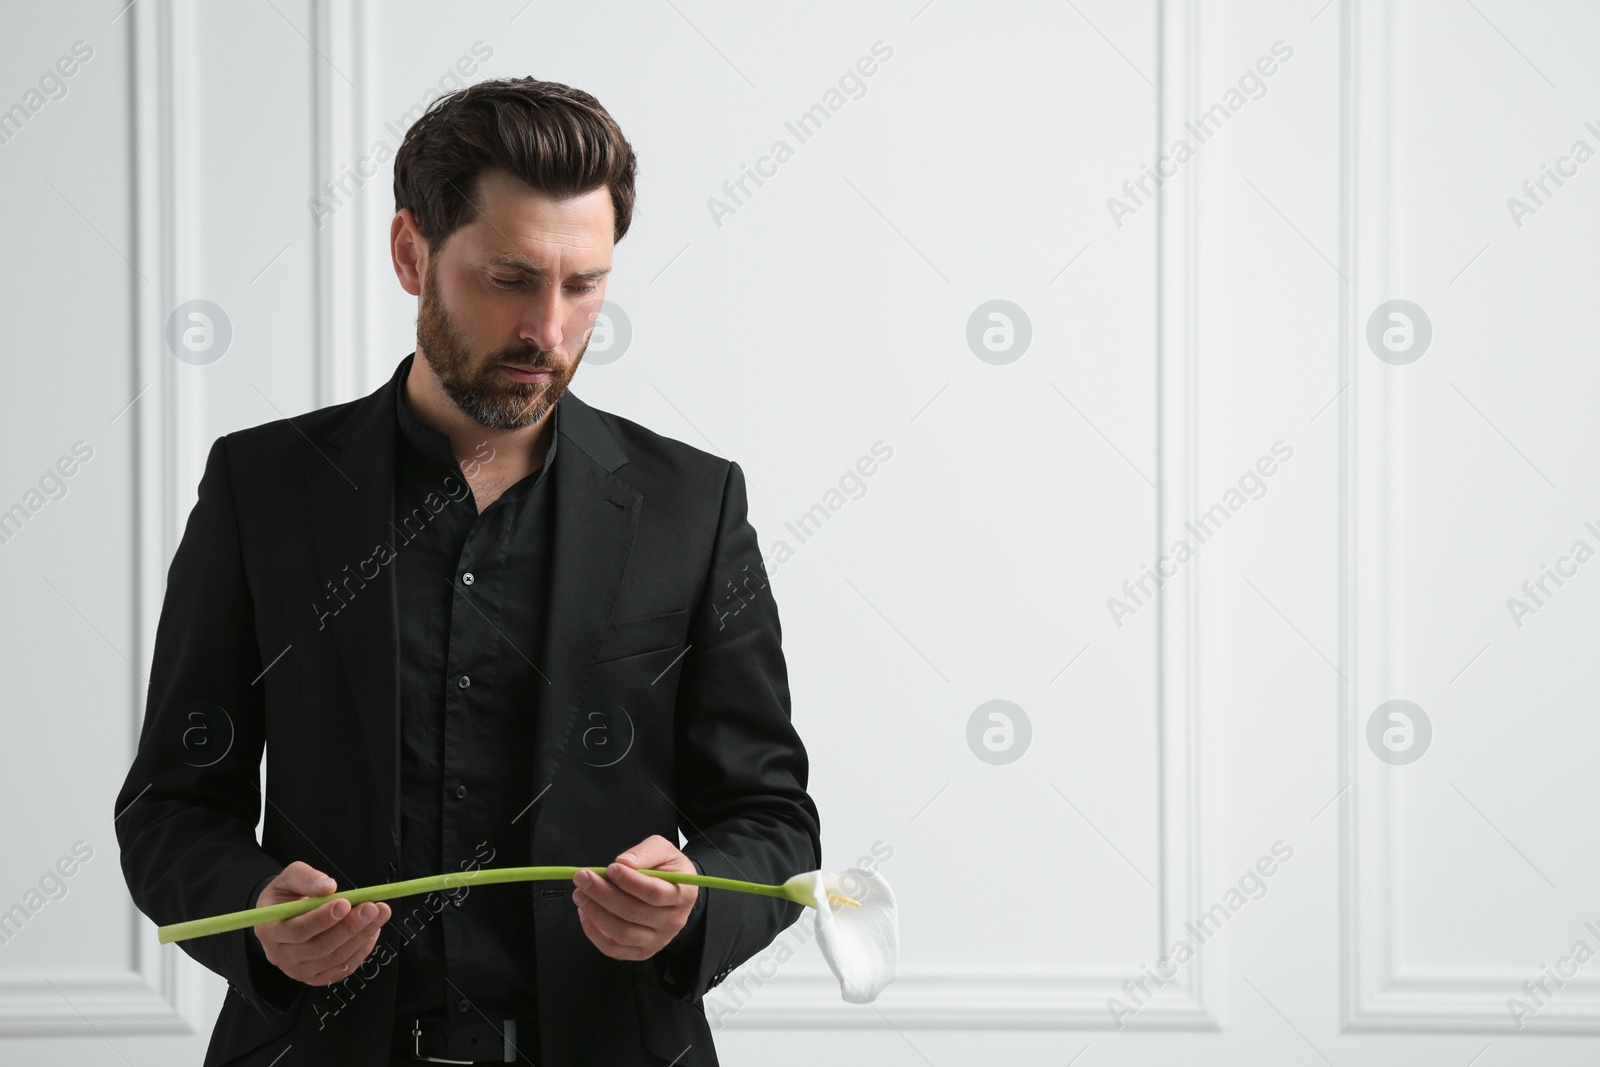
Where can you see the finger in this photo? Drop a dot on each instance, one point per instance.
(654, 891)
(338, 973)
(613, 899)
(601, 941)
(620, 930)
(605, 942)
(300, 879)
(317, 943)
(352, 956)
(330, 942)
(650, 853)
(302, 928)
(345, 960)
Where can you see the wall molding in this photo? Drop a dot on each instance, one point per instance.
(162, 990)
(342, 114)
(1064, 1000)
(1378, 991)
(961, 1001)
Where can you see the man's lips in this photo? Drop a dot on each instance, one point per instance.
(526, 374)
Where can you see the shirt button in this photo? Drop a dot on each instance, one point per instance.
(461, 790)
(467, 578)
(464, 682)
(464, 1005)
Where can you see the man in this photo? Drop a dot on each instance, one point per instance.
(474, 622)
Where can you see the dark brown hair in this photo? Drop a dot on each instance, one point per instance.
(556, 138)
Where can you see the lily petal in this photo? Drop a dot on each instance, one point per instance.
(861, 943)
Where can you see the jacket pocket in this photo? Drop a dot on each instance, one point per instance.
(638, 637)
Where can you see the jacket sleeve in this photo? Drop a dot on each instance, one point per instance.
(680, 957)
(185, 817)
(741, 768)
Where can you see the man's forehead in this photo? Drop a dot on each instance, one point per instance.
(517, 226)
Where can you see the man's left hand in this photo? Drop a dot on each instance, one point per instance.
(631, 916)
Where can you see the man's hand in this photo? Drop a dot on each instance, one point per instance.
(631, 916)
(326, 943)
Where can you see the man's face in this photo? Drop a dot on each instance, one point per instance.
(518, 286)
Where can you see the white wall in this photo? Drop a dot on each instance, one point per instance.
(1173, 345)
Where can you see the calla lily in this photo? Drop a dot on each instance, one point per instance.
(857, 927)
(856, 923)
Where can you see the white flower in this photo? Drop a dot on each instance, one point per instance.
(856, 926)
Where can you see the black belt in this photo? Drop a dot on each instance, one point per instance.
(446, 1041)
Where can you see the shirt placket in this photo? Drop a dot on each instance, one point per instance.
(469, 686)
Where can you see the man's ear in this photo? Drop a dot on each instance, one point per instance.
(408, 251)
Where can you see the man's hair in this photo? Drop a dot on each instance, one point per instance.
(553, 137)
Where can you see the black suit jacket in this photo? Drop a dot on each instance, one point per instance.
(660, 622)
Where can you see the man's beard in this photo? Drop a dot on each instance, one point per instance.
(482, 391)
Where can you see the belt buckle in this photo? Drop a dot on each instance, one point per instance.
(416, 1045)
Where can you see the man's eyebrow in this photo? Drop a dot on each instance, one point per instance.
(510, 262)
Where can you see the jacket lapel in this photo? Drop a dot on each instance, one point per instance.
(351, 494)
(596, 516)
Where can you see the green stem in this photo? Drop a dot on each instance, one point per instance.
(239, 920)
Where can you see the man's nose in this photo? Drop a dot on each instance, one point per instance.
(545, 324)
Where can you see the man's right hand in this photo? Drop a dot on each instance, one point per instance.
(326, 943)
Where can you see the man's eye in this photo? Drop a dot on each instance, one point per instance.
(516, 283)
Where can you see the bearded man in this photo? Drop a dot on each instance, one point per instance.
(473, 621)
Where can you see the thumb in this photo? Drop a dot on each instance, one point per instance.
(305, 880)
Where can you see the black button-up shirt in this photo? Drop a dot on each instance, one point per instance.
(471, 597)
